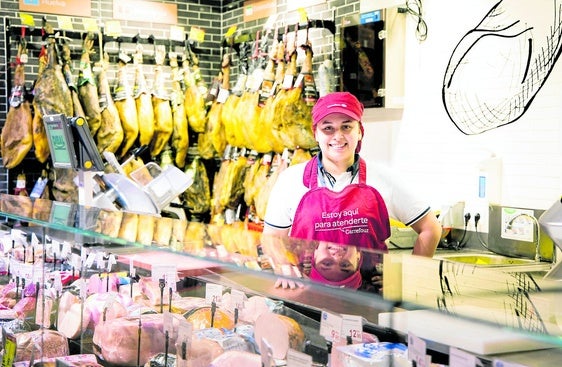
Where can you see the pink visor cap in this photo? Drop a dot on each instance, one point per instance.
(338, 102)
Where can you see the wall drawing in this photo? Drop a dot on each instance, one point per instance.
(497, 68)
(509, 300)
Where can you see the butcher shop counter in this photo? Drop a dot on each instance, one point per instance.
(87, 230)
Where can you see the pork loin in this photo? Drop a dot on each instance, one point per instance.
(280, 331)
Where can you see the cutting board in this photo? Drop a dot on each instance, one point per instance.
(464, 334)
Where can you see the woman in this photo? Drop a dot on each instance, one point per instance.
(339, 197)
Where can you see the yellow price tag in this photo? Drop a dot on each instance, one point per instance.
(177, 33)
(231, 31)
(303, 17)
(113, 28)
(9, 354)
(197, 34)
(90, 24)
(27, 19)
(65, 22)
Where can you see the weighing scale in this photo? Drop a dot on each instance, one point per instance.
(73, 147)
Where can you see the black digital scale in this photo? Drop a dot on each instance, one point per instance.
(71, 143)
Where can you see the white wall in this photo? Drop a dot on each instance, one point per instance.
(431, 151)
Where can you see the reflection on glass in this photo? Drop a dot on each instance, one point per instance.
(337, 265)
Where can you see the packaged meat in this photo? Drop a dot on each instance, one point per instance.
(116, 341)
(51, 343)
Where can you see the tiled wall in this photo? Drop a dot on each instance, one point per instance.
(214, 16)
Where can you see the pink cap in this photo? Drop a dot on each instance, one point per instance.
(339, 102)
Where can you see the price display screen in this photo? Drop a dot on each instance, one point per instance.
(60, 141)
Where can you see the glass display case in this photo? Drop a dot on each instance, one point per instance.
(507, 311)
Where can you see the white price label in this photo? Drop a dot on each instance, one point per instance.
(266, 353)
(58, 282)
(417, 350)
(167, 272)
(213, 293)
(112, 261)
(168, 323)
(460, 358)
(330, 326)
(34, 240)
(238, 297)
(65, 249)
(132, 270)
(185, 331)
(298, 359)
(90, 260)
(352, 325)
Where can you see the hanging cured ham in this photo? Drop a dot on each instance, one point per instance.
(212, 141)
(180, 136)
(67, 72)
(163, 120)
(87, 88)
(195, 93)
(215, 125)
(143, 100)
(51, 96)
(234, 137)
(110, 134)
(268, 101)
(126, 107)
(292, 120)
(16, 135)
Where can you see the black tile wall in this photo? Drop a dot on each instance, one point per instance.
(214, 16)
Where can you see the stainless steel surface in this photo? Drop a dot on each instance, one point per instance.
(551, 222)
(129, 195)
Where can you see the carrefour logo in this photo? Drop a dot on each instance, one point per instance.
(31, 2)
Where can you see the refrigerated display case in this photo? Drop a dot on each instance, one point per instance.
(91, 242)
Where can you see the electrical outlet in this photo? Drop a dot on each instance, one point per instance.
(481, 207)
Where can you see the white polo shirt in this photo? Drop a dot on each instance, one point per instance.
(401, 201)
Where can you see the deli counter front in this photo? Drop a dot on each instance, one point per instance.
(122, 288)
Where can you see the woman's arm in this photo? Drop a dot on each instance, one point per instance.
(429, 230)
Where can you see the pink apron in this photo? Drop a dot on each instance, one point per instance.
(355, 216)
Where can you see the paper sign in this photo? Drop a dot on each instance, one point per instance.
(231, 31)
(177, 33)
(65, 22)
(298, 359)
(167, 272)
(113, 28)
(459, 358)
(330, 326)
(213, 293)
(90, 25)
(27, 19)
(352, 325)
(238, 297)
(197, 34)
(417, 350)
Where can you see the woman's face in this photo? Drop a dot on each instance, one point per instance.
(337, 137)
(336, 262)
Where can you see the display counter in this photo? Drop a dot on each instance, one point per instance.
(519, 311)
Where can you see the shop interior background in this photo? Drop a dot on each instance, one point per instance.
(422, 142)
